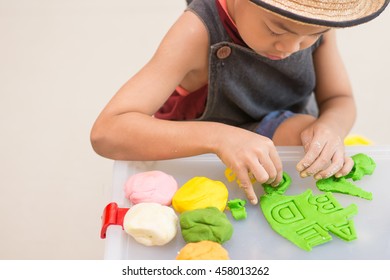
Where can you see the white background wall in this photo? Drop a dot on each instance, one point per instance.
(60, 62)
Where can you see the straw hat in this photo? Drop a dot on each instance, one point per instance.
(331, 13)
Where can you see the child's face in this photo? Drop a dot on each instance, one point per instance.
(270, 35)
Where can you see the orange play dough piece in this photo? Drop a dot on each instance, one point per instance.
(203, 250)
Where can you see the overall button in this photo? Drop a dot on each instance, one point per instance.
(224, 52)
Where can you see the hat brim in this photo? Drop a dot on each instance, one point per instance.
(329, 13)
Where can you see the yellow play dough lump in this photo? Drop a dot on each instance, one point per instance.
(203, 250)
(357, 140)
(198, 193)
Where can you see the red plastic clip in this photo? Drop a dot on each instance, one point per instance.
(112, 215)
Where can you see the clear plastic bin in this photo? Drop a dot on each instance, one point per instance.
(253, 238)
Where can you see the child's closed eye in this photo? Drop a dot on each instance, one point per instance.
(274, 32)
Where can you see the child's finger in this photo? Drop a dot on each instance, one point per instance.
(260, 172)
(250, 193)
(277, 163)
(244, 182)
(347, 167)
(336, 164)
(322, 162)
(312, 154)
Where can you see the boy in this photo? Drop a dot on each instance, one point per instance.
(242, 73)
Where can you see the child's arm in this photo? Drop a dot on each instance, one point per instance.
(323, 140)
(126, 130)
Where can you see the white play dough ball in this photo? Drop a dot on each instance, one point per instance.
(151, 224)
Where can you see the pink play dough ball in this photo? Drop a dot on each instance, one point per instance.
(151, 186)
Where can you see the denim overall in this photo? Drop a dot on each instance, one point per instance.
(245, 87)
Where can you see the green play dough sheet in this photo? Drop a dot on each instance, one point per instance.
(341, 185)
(205, 224)
(363, 165)
(305, 219)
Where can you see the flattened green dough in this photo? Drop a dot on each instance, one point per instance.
(205, 224)
(341, 185)
(363, 165)
(305, 219)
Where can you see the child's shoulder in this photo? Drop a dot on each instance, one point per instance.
(188, 33)
(185, 47)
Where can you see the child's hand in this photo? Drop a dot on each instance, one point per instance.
(248, 154)
(324, 154)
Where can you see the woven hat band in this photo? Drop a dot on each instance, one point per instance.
(332, 13)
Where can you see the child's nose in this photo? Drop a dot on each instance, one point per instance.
(289, 46)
